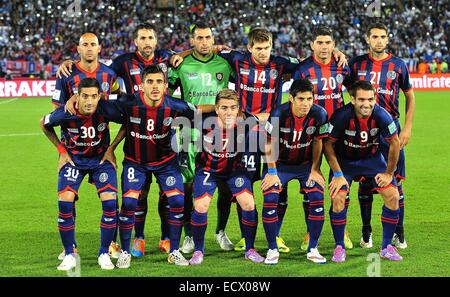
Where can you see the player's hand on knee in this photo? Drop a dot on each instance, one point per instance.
(315, 176)
(269, 181)
(72, 105)
(65, 69)
(109, 156)
(383, 179)
(64, 158)
(336, 184)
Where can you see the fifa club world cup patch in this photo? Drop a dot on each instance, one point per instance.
(170, 181)
(103, 177)
(323, 128)
(392, 128)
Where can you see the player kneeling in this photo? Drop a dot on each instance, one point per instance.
(295, 129)
(85, 139)
(221, 161)
(352, 150)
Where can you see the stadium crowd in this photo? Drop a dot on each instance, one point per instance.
(44, 33)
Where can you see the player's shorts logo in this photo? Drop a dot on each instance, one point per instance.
(310, 130)
(391, 74)
(239, 182)
(105, 86)
(170, 181)
(340, 78)
(101, 127)
(103, 177)
(167, 121)
(219, 76)
(373, 131)
(273, 73)
(163, 67)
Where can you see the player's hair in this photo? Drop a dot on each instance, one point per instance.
(361, 85)
(259, 34)
(322, 30)
(199, 25)
(152, 69)
(141, 26)
(376, 25)
(88, 82)
(301, 85)
(227, 94)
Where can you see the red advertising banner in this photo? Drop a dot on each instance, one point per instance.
(45, 88)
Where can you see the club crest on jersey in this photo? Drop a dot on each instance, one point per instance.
(391, 74)
(273, 73)
(105, 86)
(339, 78)
(373, 131)
(103, 177)
(170, 181)
(310, 130)
(239, 182)
(167, 121)
(101, 127)
(163, 67)
(135, 71)
(219, 76)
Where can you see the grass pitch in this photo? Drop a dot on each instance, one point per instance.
(30, 244)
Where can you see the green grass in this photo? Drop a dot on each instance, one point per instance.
(29, 238)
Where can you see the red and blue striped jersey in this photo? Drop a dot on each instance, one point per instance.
(387, 76)
(327, 79)
(84, 136)
(359, 138)
(149, 133)
(295, 135)
(129, 67)
(259, 87)
(223, 149)
(66, 87)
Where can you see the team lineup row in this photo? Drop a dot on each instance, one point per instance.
(258, 77)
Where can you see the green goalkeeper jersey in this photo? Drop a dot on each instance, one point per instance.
(200, 81)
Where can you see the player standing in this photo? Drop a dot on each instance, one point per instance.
(328, 79)
(353, 152)
(200, 77)
(388, 74)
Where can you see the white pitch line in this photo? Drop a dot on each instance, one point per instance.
(8, 101)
